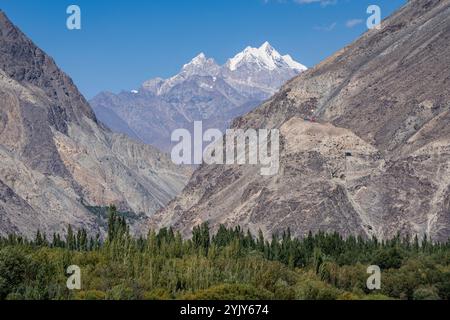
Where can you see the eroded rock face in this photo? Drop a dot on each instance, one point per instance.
(55, 159)
(377, 161)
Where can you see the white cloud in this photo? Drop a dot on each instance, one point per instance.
(353, 22)
(326, 28)
(323, 3)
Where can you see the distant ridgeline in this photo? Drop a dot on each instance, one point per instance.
(230, 264)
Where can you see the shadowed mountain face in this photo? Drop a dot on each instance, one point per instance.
(202, 91)
(377, 161)
(55, 158)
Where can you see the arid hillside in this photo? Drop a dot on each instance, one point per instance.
(376, 162)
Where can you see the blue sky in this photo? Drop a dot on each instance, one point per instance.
(123, 43)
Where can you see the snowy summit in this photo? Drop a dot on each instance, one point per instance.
(202, 90)
(266, 57)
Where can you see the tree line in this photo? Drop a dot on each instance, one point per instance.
(231, 263)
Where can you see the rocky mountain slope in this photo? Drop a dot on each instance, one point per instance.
(376, 162)
(202, 91)
(56, 160)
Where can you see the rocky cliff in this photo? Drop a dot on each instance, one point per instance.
(376, 162)
(56, 160)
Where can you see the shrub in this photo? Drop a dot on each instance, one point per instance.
(90, 295)
(230, 292)
(426, 293)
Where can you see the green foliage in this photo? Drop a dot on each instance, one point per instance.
(13, 268)
(313, 289)
(90, 295)
(230, 292)
(27, 273)
(389, 258)
(426, 293)
(229, 264)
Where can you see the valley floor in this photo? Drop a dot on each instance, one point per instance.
(230, 264)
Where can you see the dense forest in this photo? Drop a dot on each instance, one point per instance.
(230, 264)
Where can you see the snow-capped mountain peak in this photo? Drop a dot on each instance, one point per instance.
(202, 90)
(265, 57)
(263, 68)
(201, 65)
(266, 47)
(198, 60)
(294, 64)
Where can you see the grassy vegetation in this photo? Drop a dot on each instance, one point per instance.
(231, 264)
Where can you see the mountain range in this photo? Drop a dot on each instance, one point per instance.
(375, 163)
(58, 164)
(202, 91)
